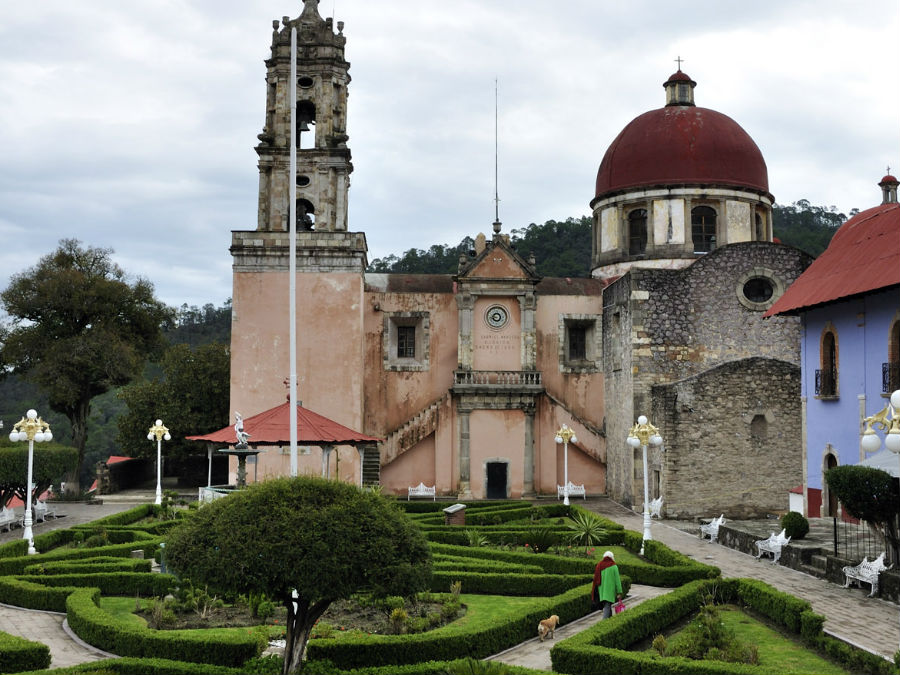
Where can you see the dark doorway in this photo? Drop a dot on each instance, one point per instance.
(496, 480)
(830, 463)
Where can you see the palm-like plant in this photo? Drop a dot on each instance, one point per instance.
(476, 539)
(587, 529)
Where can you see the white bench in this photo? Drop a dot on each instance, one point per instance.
(574, 490)
(422, 490)
(711, 529)
(8, 518)
(866, 571)
(42, 511)
(656, 507)
(772, 545)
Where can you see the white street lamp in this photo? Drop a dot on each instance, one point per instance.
(158, 432)
(564, 435)
(642, 434)
(33, 429)
(870, 440)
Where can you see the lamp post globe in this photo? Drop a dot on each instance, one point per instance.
(158, 432)
(564, 435)
(33, 429)
(643, 434)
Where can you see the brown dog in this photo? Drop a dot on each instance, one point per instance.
(547, 627)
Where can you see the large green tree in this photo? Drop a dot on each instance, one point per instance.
(871, 495)
(190, 396)
(51, 463)
(78, 328)
(305, 542)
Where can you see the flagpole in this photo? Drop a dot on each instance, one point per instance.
(292, 265)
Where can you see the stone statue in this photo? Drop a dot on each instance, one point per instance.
(239, 432)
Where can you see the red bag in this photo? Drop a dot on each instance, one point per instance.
(619, 607)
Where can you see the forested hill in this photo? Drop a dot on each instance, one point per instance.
(194, 326)
(563, 248)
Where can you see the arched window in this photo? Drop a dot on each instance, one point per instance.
(637, 232)
(306, 119)
(703, 228)
(827, 375)
(306, 215)
(890, 371)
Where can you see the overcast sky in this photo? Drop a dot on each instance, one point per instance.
(131, 125)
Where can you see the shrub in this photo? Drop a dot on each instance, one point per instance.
(795, 525)
(102, 630)
(17, 654)
(541, 539)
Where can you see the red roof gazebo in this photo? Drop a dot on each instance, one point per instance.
(272, 427)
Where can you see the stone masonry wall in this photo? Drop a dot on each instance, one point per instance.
(732, 439)
(618, 387)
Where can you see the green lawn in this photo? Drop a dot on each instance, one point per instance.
(485, 610)
(777, 653)
(123, 610)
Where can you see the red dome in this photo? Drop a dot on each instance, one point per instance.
(682, 145)
(888, 179)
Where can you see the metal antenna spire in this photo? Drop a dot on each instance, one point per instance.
(496, 162)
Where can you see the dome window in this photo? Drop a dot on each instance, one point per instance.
(637, 232)
(703, 228)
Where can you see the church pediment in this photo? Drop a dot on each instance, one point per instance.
(498, 261)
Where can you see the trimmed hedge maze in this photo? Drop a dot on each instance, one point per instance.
(492, 555)
(603, 648)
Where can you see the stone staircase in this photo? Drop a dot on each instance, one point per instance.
(412, 431)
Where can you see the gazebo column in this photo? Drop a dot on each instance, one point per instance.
(326, 457)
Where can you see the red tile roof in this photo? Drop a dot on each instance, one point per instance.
(863, 256)
(272, 427)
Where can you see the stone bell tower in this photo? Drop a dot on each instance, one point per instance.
(330, 260)
(323, 159)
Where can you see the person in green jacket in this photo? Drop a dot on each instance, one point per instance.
(607, 586)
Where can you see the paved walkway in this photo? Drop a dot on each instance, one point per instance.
(66, 649)
(536, 654)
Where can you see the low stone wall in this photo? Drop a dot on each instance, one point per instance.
(799, 556)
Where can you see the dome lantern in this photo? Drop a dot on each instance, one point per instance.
(679, 88)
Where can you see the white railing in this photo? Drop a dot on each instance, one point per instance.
(515, 378)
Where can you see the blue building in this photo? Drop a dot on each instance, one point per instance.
(849, 304)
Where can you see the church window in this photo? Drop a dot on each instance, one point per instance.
(302, 181)
(406, 341)
(759, 288)
(580, 344)
(760, 229)
(703, 228)
(577, 339)
(304, 82)
(827, 374)
(637, 232)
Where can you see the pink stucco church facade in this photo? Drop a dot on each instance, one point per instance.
(468, 377)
